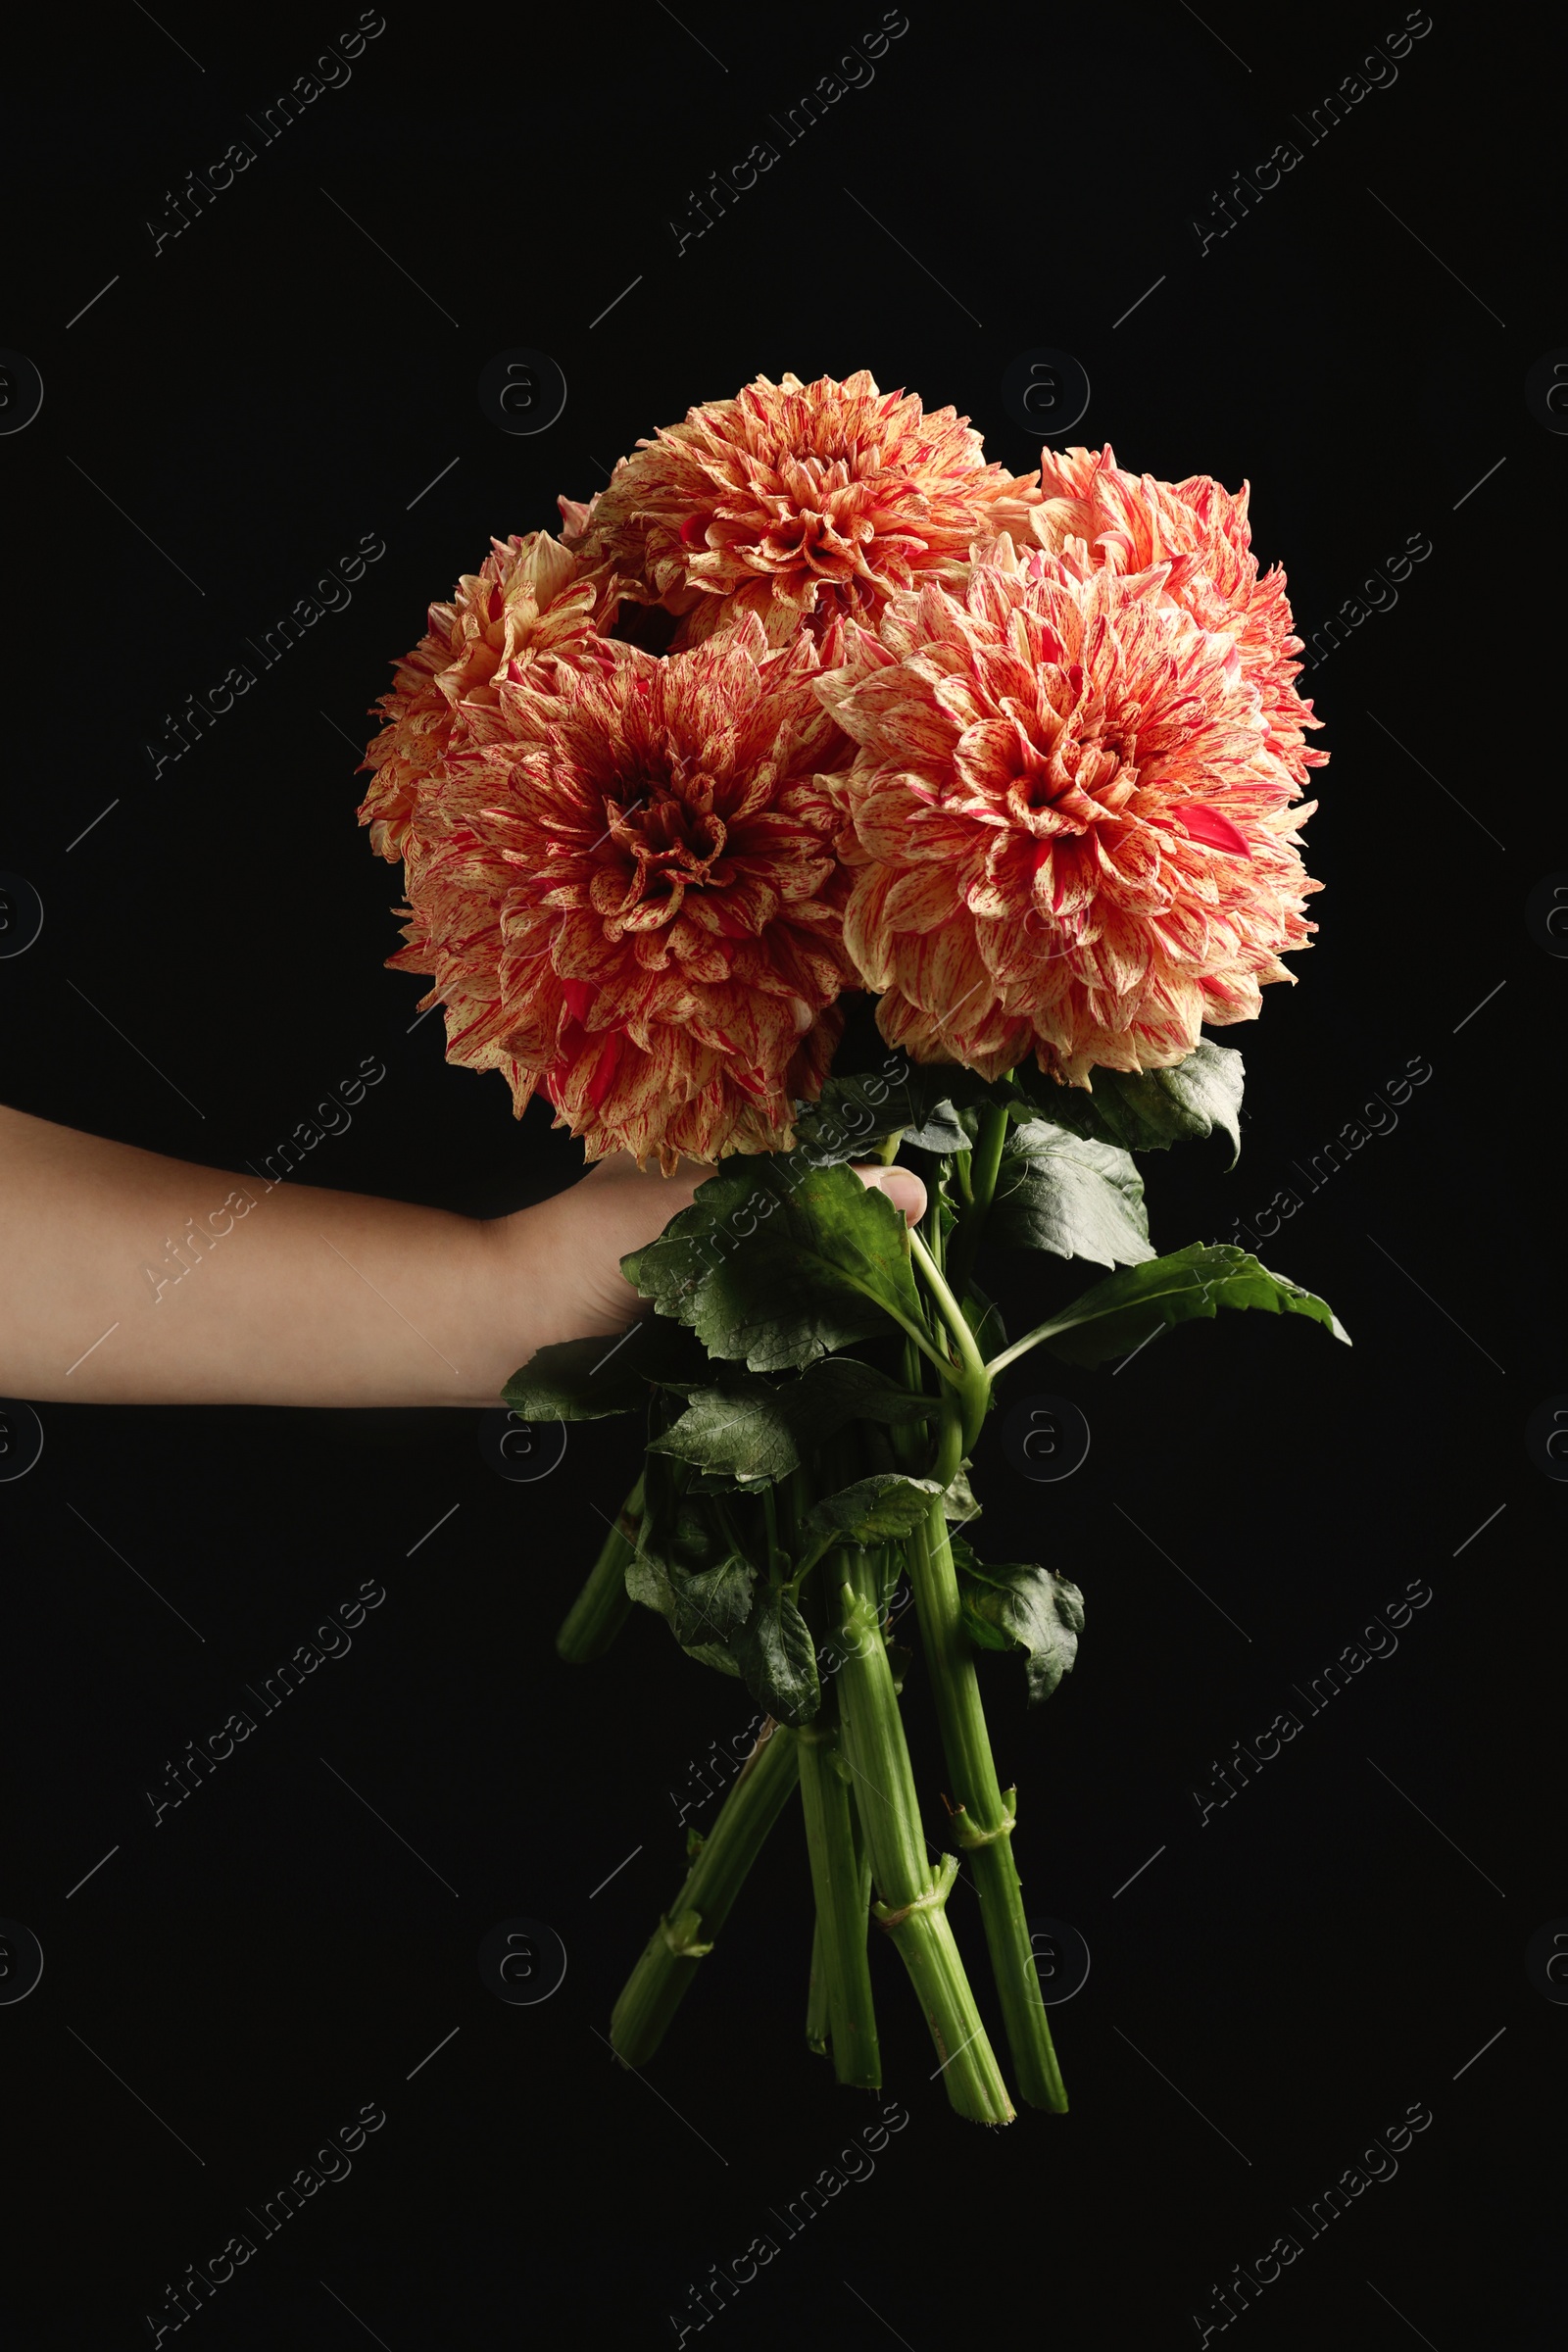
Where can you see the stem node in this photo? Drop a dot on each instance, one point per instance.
(971, 1838)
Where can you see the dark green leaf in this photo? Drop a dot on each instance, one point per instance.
(778, 1659)
(712, 1604)
(1150, 1112)
(1130, 1305)
(715, 1654)
(683, 1534)
(584, 1380)
(941, 1131)
(1028, 1608)
(683, 1526)
(754, 1429)
(854, 1114)
(984, 1318)
(664, 1483)
(777, 1263)
(959, 1503)
(1070, 1194)
(649, 1583)
(874, 1510)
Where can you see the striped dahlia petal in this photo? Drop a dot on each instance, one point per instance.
(530, 601)
(628, 897)
(1127, 522)
(797, 503)
(1068, 817)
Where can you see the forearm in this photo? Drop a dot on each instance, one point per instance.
(133, 1279)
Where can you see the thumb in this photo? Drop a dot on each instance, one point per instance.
(902, 1185)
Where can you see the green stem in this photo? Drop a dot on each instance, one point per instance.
(1031, 1338)
(841, 1901)
(913, 1896)
(912, 1330)
(816, 1996)
(973, 1387)
(985, 1160)
(983, 1817)
(918, 1337)
(929, 1229)
(775, 1555)
(659, 1983)
(862, 1855)
(603, 1604)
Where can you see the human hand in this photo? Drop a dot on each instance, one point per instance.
(287, 1294)
(567, 1252)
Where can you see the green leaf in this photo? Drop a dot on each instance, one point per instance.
(650, 1584)
(942, 1131)
(712, 1604)
(755, 1431)
(718, 1482)
(874, 1510)
(662, 1483)
(1071, 1196)
(713, 1653)
(1149, 1113)
(984, 1318)
(776, 1263)
(959, 1503)
(854, 1114)
(777, 1659)
(585, 1380)
(1027, 1608)
(648, 1581)
(686, 1538)
(1130, 1305)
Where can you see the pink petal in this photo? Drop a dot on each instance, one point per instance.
(1206, 824)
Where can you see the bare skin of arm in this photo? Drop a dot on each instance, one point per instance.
(292, 1295)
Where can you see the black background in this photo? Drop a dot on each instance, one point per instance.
(1280, 1983)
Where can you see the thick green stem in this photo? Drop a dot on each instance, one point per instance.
(983, 1817)
(913, 1894)
(658, 1983)
(841, 1901)
(603, 1604)
(983, 1162)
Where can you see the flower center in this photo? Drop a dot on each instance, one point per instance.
(1072, 785)
(673, 838)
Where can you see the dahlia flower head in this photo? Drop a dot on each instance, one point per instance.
(530, 601)
(1018, 756)
(801, 502)
(629, 898)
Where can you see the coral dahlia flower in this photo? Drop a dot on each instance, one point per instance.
(1068, 818)
(796, 502)
(628, 897)
(1128, 522)
(530, 601)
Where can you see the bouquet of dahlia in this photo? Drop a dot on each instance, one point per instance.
(823, 793)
